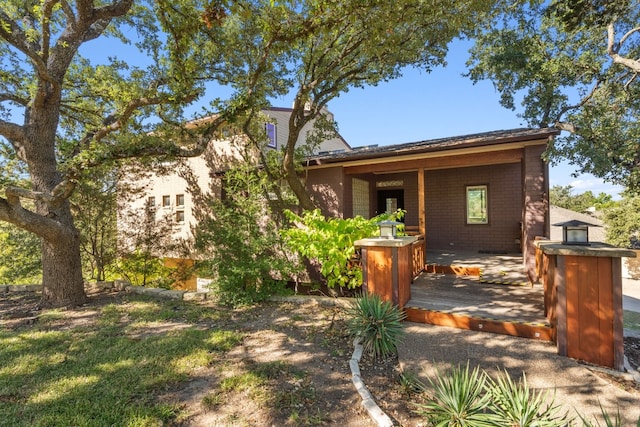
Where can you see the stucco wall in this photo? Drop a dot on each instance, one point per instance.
(445, 208)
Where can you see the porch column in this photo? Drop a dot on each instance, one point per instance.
(535, 187)
(422, 211)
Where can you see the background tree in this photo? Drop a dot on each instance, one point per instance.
(563, 197)
(19, 250)
(145, 237)
(61, 114)
(623, 222)
(575, 65)
(94, 207)
(19, 256)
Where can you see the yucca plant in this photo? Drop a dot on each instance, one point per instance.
(410, 384)
(516, 404)
(609, 420)
(378, 324)
(459, 400)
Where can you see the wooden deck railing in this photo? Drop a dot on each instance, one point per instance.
(418, 256)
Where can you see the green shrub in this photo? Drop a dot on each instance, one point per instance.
(378, 324)
(143, 269)
(239, 239)
(329, 241)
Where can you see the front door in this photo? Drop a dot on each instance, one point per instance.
(389, 201)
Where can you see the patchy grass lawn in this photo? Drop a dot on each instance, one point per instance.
(130, 360)
(106, 367)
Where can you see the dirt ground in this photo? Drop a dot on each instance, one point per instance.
(308, 351)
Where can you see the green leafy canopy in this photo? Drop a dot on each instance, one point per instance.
(572, 65)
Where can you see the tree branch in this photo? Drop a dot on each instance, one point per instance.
(11, 211)
(13, 34)
(613, 49)
(12, 132)
(59, 194)
(13, 98)
(569, 127)
(582, 102)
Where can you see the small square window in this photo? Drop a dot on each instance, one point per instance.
(477, 204)
(166, 201)
(179, 216)
(179, 199)
(151, 202)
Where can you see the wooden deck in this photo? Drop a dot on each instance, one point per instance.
(488, 293)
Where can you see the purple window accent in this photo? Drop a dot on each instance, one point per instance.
(271, 135)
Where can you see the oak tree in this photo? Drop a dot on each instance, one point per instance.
(573, 65)
(88, 83)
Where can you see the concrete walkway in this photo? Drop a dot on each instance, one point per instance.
(579, 390)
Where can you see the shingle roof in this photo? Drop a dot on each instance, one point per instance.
(432, 145)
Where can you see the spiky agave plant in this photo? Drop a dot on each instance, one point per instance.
(608, 419)
(517, 405)
(459, 399)
(378, 324)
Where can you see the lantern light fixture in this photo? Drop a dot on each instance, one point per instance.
(575, 232)
(388, 229)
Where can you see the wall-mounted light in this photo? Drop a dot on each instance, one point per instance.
(388, 229)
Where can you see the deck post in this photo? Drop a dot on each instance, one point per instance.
(387, 268)
(588, 312)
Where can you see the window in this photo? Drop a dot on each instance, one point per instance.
(151, 202)
(166, 201)
(360, 196)
(477, 205)
(179, 199)
(270, 128)
(179, 216)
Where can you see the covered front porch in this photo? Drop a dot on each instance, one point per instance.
(484, 292)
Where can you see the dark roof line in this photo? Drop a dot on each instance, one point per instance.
(439, 144)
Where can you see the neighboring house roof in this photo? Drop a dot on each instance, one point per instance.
(559, 215)
(434, 145)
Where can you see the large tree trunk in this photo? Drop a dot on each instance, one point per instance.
(62, 271)
(61, 263)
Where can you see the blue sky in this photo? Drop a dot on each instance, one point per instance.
(421, 106)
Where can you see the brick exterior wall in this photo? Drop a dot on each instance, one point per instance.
(331, 191)
(517, 203)
(446, 213)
